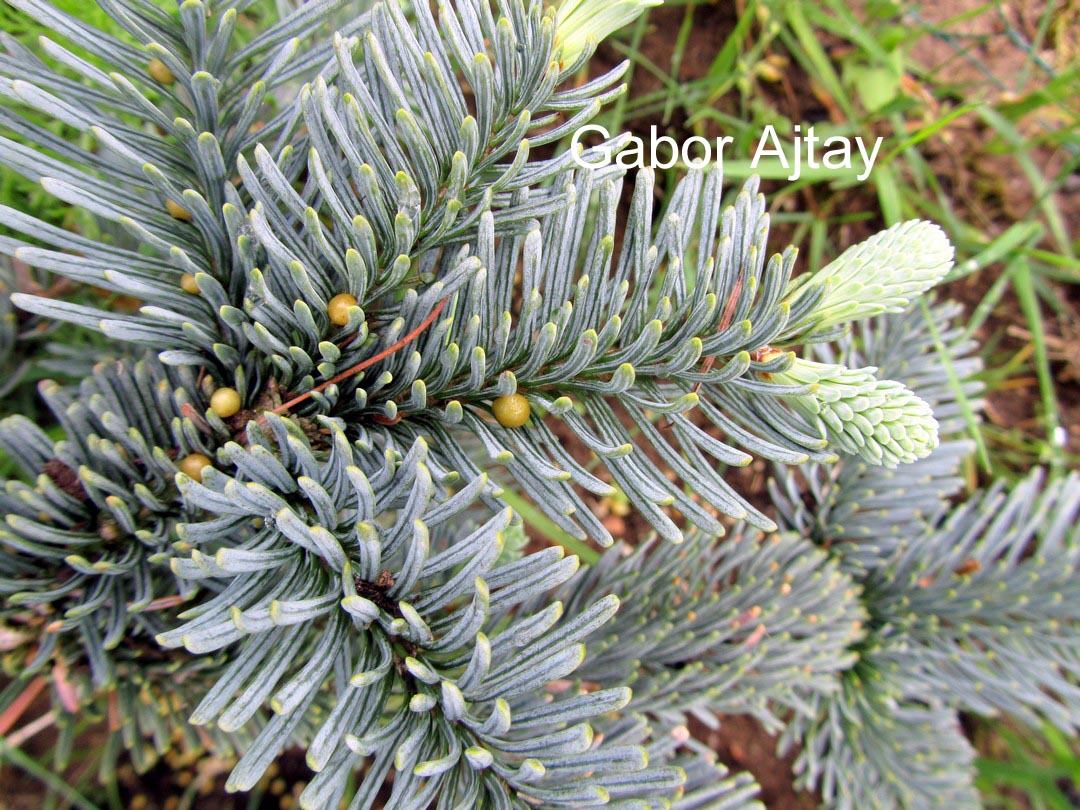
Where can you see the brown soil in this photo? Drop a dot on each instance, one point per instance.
(743, 744)
(986, 190)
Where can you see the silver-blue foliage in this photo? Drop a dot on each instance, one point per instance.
(335, 565)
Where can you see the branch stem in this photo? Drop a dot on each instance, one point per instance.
(405, 341)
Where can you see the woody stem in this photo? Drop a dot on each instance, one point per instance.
(405, 341)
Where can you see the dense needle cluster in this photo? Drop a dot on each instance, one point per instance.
(368, 308)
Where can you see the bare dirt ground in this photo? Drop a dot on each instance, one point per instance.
(988, 191)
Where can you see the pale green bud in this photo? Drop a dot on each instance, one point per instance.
(881, 421)
(882, 274)
(581, 24)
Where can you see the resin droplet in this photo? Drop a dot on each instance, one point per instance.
(338, 309)
(192, 466)
(512, 411)
(177, 211)
(225, 402)
(160, 72)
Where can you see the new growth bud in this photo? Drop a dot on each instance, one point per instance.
(881, 421)
(581, 24)
(883, 274)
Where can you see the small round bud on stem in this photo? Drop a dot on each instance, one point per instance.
(225, 402)
(512, 410)
(338, 309)
(193, 465)
(188, 284)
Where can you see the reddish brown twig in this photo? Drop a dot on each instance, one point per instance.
(163, 603)
(348, 340)
(725, 322)
(65, 689)
(114, 712)
(754, 637)
(16, 738)
(20, 704)
(188, 410)
(405, 341)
